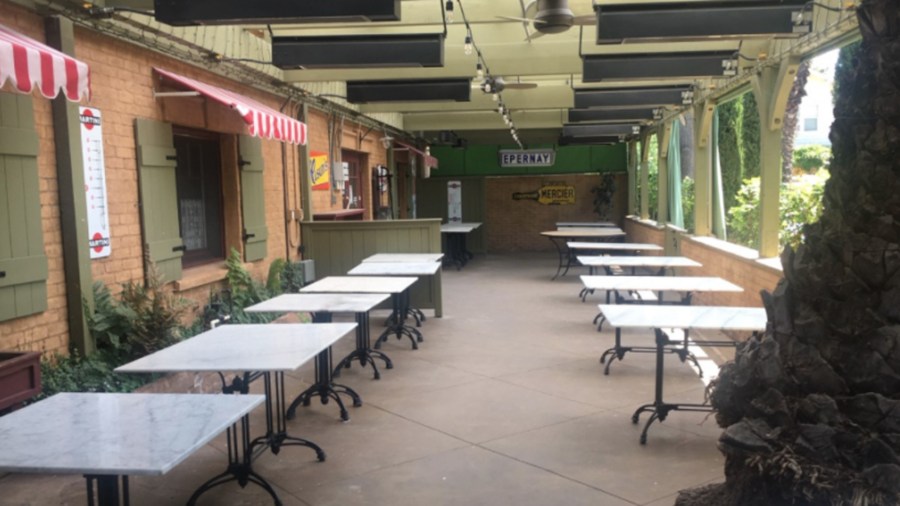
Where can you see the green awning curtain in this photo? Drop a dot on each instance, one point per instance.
(673, 163)
(718, 199)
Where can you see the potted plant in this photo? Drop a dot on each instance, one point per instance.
(20, 377)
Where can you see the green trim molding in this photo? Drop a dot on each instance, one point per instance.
(482, 160)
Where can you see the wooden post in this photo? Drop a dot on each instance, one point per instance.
(771, 86)
(703, 113)
(72, 200)
(662, 187)
(305, 180)
(645, 176)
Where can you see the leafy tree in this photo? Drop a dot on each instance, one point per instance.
(749, 136)
(844, 68)
(688, 202)
(730, 149)
(800, 203)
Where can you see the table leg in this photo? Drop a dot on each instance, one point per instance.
(398, 326)
(363, 352)
(325, 388)
(563, 256)
(660, 409)
(240, 464)
(108, 491)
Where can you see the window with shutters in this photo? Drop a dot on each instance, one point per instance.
(202, 193)
(198, 178)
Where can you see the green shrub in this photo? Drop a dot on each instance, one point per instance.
(242, 291)
(800, 203)
(292, 277)
(812, 158)
(687, 203)
(75, 373)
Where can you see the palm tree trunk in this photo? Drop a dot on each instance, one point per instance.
(811, 408)
(791, 111)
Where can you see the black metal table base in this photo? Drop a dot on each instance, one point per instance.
(398, 326)
(659, 409)
(618, 352)
(457, 252)
(363, 352)
(325, 388)
(109, 492)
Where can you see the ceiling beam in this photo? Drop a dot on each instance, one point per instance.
(481, 120)
(544, 96)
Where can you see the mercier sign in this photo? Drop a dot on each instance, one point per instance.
(527, 157)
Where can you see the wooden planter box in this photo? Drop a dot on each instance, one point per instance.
(20, 378)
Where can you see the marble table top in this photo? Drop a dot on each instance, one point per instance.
(614, 246)
(459, 228)
(637, 261)
(250, 347)
(395, 269)
(360, 284)
(660, 283)
(320, 303)
(586, 224)
(685, 317)
(404, 257)
(573, 233)
(115, 434)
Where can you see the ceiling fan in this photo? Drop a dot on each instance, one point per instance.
(551, 16)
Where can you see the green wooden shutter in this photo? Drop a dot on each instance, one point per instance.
(253, 204)
(159, 197)
(23, 264)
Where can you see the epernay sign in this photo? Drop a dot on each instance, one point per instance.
(527, 157)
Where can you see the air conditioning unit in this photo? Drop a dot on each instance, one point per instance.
(309, 271)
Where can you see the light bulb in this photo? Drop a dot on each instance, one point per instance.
(448, 9)
(467, 47)
(479, 70)
(495, 97)
(500, 108)
(487, 87)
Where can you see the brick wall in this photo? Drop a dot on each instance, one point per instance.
(645, 232)
(122, 88)
(48, 330)
(370, 147)
(734, 263)
(515, 225)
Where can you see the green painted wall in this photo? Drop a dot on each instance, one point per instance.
(485, 161)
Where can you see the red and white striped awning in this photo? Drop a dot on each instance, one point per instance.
(28, 63)
(264, 121)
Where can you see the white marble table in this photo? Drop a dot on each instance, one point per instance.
(323, 306)
(404, 257)
(685, 318)
(684, 284)
(613, 246)
(267, 351)
(561, 238)
(395, 269)
(456, 234)
(418, 269)
(637, 261)
(586, 224)
(108, 436)
(397, 286)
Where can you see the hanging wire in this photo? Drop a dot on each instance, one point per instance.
(489, 76)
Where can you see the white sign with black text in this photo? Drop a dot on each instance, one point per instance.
(527, 157)
(94, 181)
(454, 201)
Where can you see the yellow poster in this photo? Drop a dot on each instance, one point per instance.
(318, 170)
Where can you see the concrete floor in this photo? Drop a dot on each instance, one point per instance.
(503, 404)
